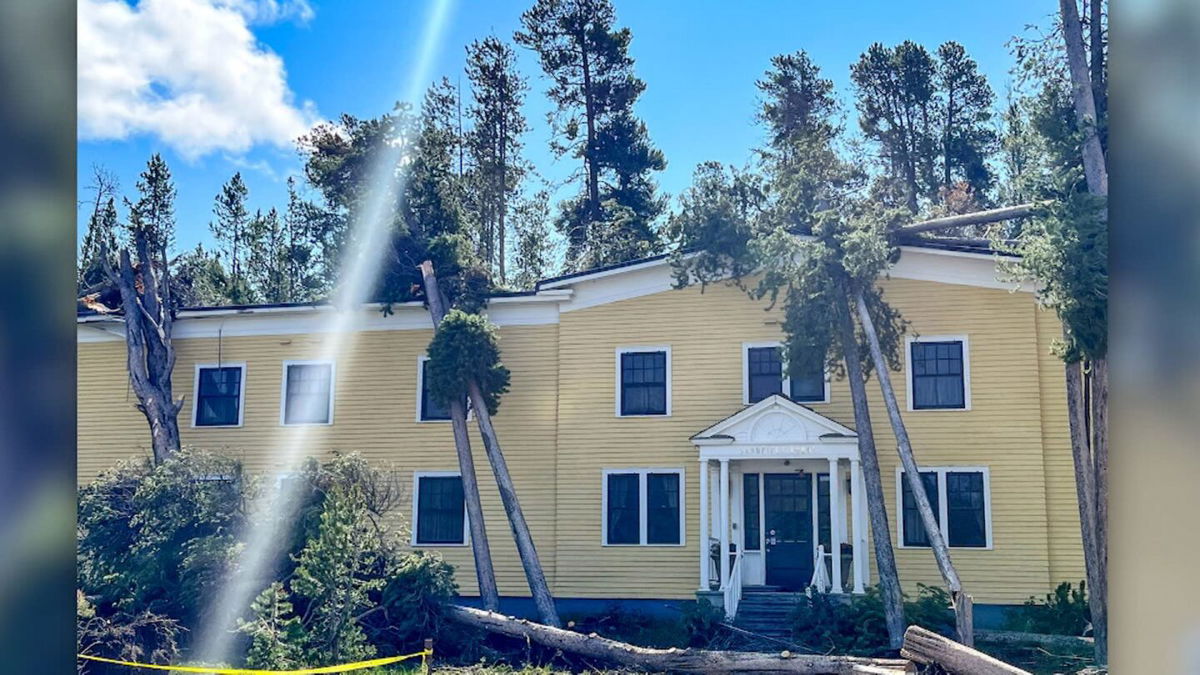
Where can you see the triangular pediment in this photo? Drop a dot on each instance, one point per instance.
(775, 419)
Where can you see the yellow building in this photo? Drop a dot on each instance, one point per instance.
(647, 428)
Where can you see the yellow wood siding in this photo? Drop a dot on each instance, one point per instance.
(374, 413)
(560, 431)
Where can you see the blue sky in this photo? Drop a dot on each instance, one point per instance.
(219, 86)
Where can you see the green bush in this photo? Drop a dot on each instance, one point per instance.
(1065, 611)
(466, 347)
(856, 625)
(155, 543)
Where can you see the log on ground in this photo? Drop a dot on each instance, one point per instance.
(674, 659)
(926, 647)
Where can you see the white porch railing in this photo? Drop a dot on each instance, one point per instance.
(820, 577)
(731, 588)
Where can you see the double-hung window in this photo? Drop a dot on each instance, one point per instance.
(439, 510)
(219, 395)
(961, 506)
(643, 381)
(643, 507)
(307, 392)
(766, 375)
(938, 374)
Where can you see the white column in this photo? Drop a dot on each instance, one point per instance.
(704, 565)
(835, 524)
(857, 504)
(724, 504)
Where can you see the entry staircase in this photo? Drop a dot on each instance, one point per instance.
(767, 610)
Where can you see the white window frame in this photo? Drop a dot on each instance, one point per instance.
(416, 501)
(787, 381)
(943, 507)
(643, 511)
(283, 392)
(618, 391)
(908, 370)
(196, 394)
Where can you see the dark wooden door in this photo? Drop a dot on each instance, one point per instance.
(787, 511)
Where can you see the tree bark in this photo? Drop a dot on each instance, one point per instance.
(885, 557)
(150, 353)
(674, 659)
(484, 572)
(912, 476)
(1094, 167)
(976, 218)
(1089, 494)
(926, 647)
(512, 506)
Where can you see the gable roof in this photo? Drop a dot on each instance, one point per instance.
(775, 419)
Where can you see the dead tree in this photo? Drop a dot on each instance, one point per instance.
(538, 587)
(912, 476)
(484, 572)
(149, 317)
(674, 659)
(885, 556)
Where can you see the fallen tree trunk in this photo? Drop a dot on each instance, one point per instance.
(674, 659)
(927, 647)
(975, 218)
(1021, 639)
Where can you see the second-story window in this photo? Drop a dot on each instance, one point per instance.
(938, 374)
(218, 395)
(765, 375)
(430, 409)
(644, 382)
(308, 393)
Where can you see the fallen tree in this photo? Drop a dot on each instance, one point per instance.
(673, 659)
(927, 647)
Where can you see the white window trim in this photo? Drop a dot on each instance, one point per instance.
(642, 506)
(420, 389)
(908, 370)
(283, 392)
(650, 348)
(416, 493)
(787, 381)
(943, 508)
(196, 394)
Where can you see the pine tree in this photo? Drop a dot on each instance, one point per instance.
(199, 280)
(230, 231)
(305, 265)
(494, 143)
(965, 118)
(154, 211)
(267, 257)
(533, 250)
(594, 90)
(897, 111)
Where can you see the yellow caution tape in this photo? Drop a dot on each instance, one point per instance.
(424, 654)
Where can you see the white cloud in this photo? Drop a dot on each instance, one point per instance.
(189, 72)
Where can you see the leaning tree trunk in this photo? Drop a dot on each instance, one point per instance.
(146, 305)
(512, 506)
(1089, 450)
(485, 574)
(885, 557)
(962, 603)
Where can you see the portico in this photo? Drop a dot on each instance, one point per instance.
(781, 492)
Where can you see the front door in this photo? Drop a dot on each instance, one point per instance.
(787, 515)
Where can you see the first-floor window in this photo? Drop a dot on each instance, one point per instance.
(958, 497)
(441, 510)
(643, 507)
(219, 396)
(308, 393)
